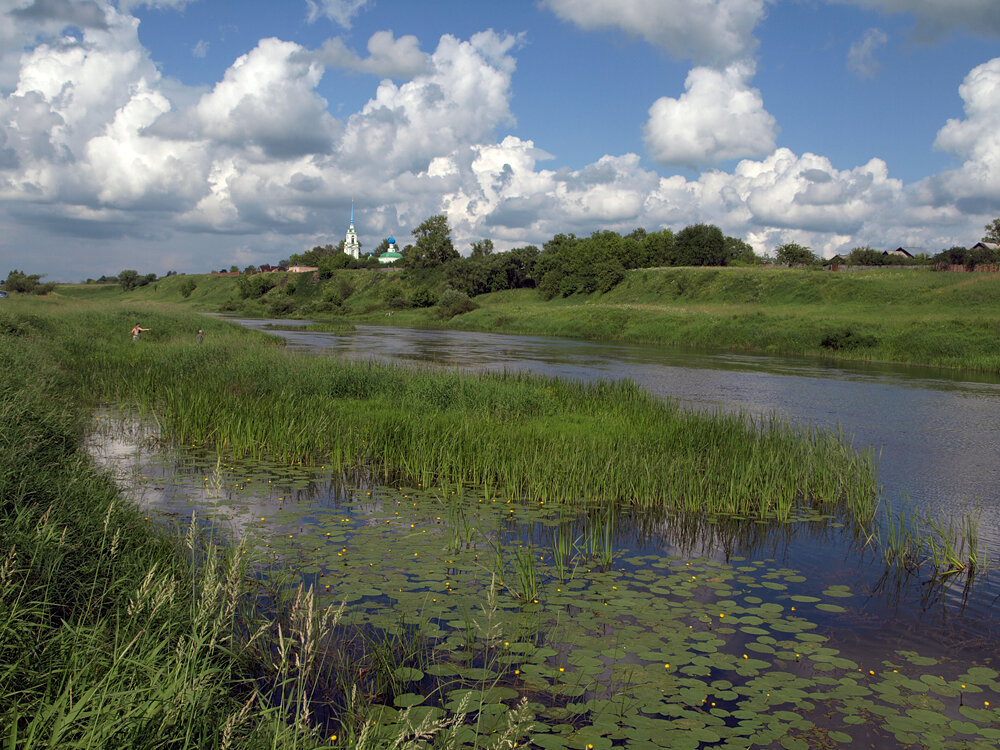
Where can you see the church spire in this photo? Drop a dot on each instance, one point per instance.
(352, 246)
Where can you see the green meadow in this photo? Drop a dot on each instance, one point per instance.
(465, 591)
(914, 316)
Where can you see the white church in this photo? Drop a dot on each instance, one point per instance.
(352, 246)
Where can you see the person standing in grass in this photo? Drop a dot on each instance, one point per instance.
(136, 331)
(201, 335)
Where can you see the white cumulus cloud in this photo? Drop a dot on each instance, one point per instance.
(460, 102)
(710, 32)
(975, 186)
(719, 117)
(267, 99)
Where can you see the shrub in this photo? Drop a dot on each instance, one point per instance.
(847, 339)
(423, 297)
(252, 287)
(278, 306)
(27, 283)
(187, 286)
(454, 302)
(393, 296)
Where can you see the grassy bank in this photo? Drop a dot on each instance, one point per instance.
(885, 315)
(114, 634)
(110, 636)
(914, 317)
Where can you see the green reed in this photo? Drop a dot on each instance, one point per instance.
(910, 541)
(526, 573)
(523, 436)
(563, 546)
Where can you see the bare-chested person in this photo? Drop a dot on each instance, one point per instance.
(136, 331)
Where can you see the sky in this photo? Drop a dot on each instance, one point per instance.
(191, 135)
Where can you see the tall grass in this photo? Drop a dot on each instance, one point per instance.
(524, 436)
(110, 636)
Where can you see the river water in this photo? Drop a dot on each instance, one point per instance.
(935, 432)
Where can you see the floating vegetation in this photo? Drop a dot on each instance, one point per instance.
(480, 616)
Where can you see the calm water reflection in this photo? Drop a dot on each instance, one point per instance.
(935, 431)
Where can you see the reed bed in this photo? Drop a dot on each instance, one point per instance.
(526, 437)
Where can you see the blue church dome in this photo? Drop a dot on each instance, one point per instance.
(392, 240)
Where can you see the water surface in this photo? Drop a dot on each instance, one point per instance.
(935, 431)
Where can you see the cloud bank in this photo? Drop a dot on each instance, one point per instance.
(710, 32)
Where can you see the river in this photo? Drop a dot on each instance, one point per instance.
(935, 432)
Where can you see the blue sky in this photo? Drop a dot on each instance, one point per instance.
(189, 135)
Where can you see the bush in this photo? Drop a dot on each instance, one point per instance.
(278, 306)
(454, 302)
(846, 339)
(27, 283)
(423, 297)
(393, 296)
(252, 287)
(187, 286)
(344, 287)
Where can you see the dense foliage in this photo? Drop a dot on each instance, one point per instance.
(968, 257)
(130, 279)
(794, 254)
(18, 281)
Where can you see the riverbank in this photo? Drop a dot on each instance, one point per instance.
(907, 316)
(110, 635)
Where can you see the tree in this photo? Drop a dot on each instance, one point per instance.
(740, 253)
(433, 245)
(792, 254)
(27, 283)
(129, 279)
(700, 245)
(659, 249)
(993, 232)
(865, 256)
(482, 248)
(187, 286)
